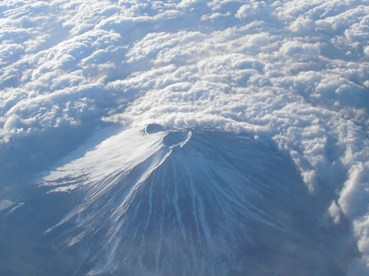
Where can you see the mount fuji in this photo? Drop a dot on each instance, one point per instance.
(184, 137)
(198, 202)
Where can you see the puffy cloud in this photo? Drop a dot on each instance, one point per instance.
(254, 10)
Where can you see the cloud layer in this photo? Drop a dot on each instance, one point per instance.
(293, 71)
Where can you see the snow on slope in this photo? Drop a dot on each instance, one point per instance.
(295, 72)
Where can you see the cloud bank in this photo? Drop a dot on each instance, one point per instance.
(294, 71)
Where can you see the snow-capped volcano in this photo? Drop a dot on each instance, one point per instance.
(189, 202)
(184, 136)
